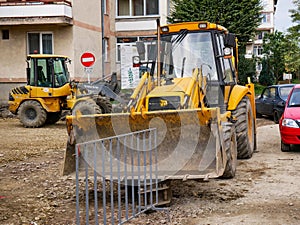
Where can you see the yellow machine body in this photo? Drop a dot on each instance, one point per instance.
(195, 116)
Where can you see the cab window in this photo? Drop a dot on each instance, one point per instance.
(43, 74)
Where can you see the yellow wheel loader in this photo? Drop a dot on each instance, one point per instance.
(189, 93)
(49, 91)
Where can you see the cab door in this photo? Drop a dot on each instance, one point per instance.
(268, 99)
(41, 81)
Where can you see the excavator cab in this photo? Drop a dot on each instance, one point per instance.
(47, 71)
(48, 76)
(184, 49)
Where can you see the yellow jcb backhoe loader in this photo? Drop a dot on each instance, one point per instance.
(204, 119)
(49, 91)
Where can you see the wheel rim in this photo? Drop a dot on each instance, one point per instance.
(30, 114)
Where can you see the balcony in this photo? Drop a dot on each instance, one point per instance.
(29, 12)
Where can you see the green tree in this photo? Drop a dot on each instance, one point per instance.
(274, 51)
(266, 76)
(295, 15)
(241, 17)
(292, 56)
(246, 68)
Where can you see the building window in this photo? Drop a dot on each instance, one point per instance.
(5, 34)
(104, 6)
(106, 49)
(137, 7)
(127, 41)
(40, 43)
(265, 18)
(152, 7)
(257, 50)
(260, 36)
(130, 41)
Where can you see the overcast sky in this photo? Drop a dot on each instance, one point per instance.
(282, 15)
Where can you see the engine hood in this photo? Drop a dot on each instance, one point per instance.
(292, 112)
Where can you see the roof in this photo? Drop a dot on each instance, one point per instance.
(176, 27)
(282, 85)
(297, 85)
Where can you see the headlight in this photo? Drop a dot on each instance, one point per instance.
(289, 123)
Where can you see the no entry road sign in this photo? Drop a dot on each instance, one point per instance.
(87, 59)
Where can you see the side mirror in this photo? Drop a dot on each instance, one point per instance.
(141, 48)
(152, 52)
(67, 60)
(229, 40)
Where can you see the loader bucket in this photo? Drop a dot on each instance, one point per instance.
(188, 147)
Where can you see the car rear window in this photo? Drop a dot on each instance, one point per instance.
(284, 92)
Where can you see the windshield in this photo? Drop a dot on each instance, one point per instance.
(185, 51)
(284, 92)
(295, 98)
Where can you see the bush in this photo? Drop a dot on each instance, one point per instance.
(258, 89)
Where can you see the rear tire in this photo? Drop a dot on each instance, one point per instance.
(105, 105)
(258, 115)
(276, 117)
(53, 117)
(32, 114)
(231, 151)
(244, 129)
(285, 147)
(86, 107)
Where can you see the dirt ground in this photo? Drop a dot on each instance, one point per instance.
(32, 190)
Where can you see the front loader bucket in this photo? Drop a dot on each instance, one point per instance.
(188, 147)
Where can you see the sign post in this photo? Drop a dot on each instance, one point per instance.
(87, 59)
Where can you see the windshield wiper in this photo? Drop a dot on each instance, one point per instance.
(182, 34)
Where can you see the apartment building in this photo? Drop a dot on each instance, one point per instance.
(54, 27)
(254, 47)
(72, 27)
(135, 20)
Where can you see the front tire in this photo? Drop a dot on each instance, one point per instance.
(86, 107)
(32, 114)
(104, 104)
(285, 147)
(244, 129)
(231, 151)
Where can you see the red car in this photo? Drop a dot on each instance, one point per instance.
(289, 124)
